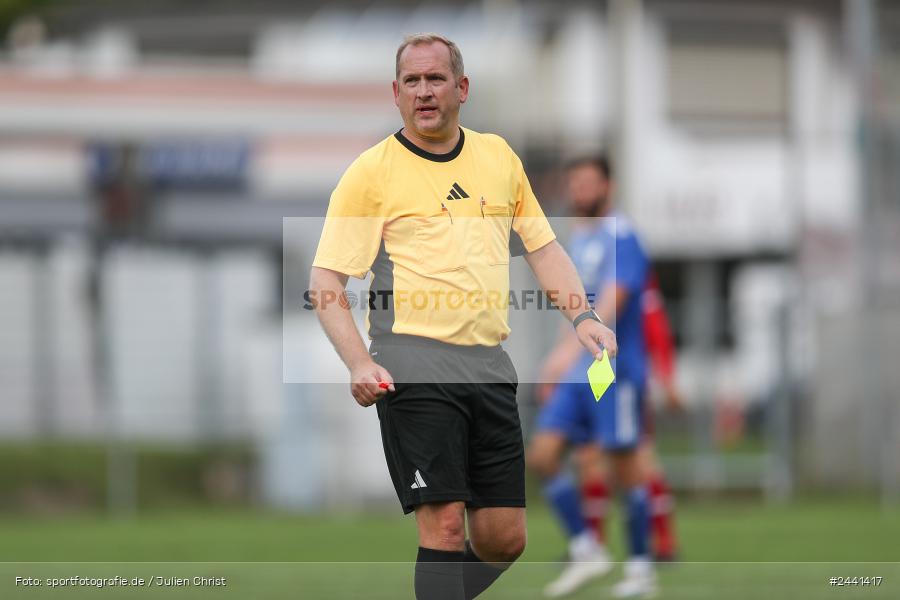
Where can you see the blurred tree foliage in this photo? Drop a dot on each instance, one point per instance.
(10, 10)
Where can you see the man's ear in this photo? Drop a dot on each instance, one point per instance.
(396, 88)
(463, 85)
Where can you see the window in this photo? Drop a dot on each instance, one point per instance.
(728, 76)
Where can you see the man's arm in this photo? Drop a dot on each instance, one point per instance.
(567, 349)
(559, 360)
(326, 290)
(612, 300)
(557, 276)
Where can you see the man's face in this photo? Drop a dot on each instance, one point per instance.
(588, 191)
(427, 93)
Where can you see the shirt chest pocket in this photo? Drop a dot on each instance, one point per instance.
(437, 244)
(495, 223)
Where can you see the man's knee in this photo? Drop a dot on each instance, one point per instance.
(514, 547)
(589, 459)
(504, 548)
(441, 526)
(450, 527)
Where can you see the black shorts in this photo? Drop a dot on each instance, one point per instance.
(451, 429)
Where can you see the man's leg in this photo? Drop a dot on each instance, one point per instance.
(620, 435)
(544, 458)
(633, 483)
(496, 539)
(564, 419)
(424, 430)
(439, 565)
(589, 558)
(662, 505)
(594, 491)
(639, 579)
(496, 477)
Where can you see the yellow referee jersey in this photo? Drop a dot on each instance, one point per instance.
(435, 232)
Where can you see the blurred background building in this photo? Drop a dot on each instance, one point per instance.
(150, 153)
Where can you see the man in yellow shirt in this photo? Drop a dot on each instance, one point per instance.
(434, 213)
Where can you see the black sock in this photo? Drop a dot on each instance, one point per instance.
(439, 575)
(477, 575)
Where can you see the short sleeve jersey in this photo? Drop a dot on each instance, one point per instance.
(436, 232)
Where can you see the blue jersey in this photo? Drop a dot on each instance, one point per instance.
(605, 253)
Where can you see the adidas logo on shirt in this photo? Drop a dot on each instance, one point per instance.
(457, 193)
(418, 482)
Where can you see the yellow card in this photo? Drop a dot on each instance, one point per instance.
(600, 376)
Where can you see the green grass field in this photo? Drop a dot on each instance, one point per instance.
(729, 549)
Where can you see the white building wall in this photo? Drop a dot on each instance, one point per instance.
(18, 390)
(76, 407)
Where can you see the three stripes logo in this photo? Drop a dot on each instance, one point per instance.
(457, 193)
(418, 482)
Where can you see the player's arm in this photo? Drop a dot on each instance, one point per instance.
(557, 276)
(559, 360)
(327, 296)
(611, 300)
(565, 352)
(659, 342)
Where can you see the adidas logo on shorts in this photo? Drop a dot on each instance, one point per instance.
(418, 482)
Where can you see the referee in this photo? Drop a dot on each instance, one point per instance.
(434, 212)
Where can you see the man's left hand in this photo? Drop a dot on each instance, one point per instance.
(595, 336)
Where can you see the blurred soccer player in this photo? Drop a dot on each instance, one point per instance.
(610, 261)
(594, 488)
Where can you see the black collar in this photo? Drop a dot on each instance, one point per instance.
(431, 155)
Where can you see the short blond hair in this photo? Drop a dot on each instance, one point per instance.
(456, 59)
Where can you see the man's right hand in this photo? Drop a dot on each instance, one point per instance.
(365, 380)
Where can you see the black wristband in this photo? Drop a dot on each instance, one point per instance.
(588, 314)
